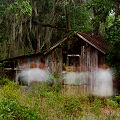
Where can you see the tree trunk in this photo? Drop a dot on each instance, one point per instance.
(67, 18)
(37, 34)
(117, 8)
(96, 24)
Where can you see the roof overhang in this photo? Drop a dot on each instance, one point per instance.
(83, 38)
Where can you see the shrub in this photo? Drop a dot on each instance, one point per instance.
(72, 106)
(96, 106)
(13, 110)
(57, 81)
(11, 91)
(55, 77)
(55, 87)
(44, 89)
(117, 98)
(4, 81)
(2, 74)
(112, 103)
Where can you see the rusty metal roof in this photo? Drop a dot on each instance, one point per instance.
(95, 40)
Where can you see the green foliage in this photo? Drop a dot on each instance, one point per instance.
(110, 20)
(72, 106)
(13, 110)
(113, 37)
(80, 19)
(45, 89)
(112, 103)
(105, 20)
(3, 5)
(4, 81)
(19, 7)
(102, 9)
(117, 98)
(12, 11)
(1, 65)
(41, 102)
(55, 77)
(11, 90)
(56, 87)
(96, 106)
(3, 74)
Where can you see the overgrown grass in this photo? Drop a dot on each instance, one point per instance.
(44, 102)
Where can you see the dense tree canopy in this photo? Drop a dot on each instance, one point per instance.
(31, 26)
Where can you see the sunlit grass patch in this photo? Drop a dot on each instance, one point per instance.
(49, 103)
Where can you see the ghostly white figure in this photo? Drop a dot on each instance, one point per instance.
(103, 84)
(33, 74)
(76, 78)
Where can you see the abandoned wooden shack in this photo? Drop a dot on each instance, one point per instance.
(80, 53)
(83, 52)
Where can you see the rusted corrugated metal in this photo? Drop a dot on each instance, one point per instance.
(95, 40)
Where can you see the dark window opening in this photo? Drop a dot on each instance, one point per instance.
(73, 60)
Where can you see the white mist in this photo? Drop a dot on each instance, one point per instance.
(33, 75)
(99, 82)
(102, 83)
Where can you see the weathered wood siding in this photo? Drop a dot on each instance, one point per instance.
(101, 59)
(32, 62)
(93, 59)
(88, 59)
(55, 61)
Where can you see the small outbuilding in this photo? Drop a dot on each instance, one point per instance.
(80, 52)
